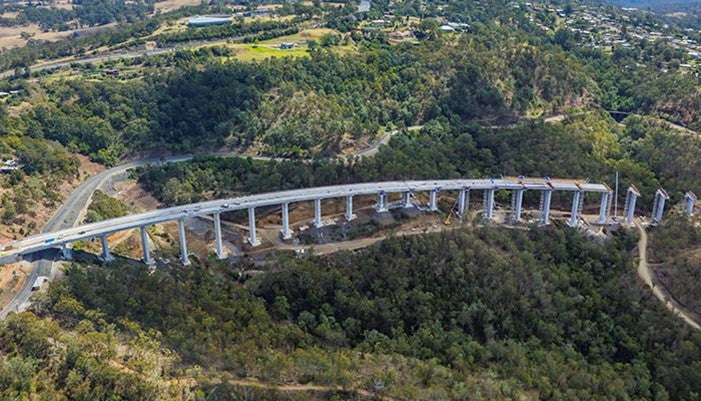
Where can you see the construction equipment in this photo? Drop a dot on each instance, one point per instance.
(450, 213)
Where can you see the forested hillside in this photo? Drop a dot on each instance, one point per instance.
(469, 314)
(474, 313)
(504, 65)
(590, 146)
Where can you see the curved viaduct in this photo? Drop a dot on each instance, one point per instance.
(488, 187)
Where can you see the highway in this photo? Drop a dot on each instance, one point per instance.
(106, 57)
(73, 208)
(51, 239)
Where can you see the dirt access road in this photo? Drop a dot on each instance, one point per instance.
(646, 273)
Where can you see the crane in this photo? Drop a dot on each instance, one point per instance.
(450, 214)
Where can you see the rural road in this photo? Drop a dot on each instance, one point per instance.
(660, 292)
(106, 57)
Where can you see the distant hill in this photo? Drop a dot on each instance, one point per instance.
(659, 5)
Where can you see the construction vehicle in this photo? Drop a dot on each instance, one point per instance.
(450, 214)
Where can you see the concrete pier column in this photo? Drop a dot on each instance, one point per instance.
(406, 199)
(574, 214)
(629, 210)
(489, 204)
(218, 248)
(433, 200)
(463, 202)
(317, 213)
(349, 208)
(517, 204)
(604, 208)
(183, 243)
(286, 221)
(545, 207)
(106, 255)
(658, 208)
(144, 246)
(690, 200)
(252, 239)
(66, 252)
(381, 205)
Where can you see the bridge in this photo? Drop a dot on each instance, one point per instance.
(517, 186)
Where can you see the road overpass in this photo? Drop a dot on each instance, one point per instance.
(517, 185)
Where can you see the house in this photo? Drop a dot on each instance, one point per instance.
(364, 6)
(286, 45)
(10, 165)
(256, 13)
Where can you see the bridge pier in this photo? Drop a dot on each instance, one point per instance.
(658, 207)
(690, 200)
(517, 204)
(66, 252)
(433, 200)
(463, 202)
(406, 199)
(629, 210)
(577, 199)
(545, 199)
(349, 208)
(381, 205)
(489, 204)
(144, 246)
(605, 208)
(106, 256)
(218, 248)
(317, 213)
(183, 243)
(252, 239)
(286, 221)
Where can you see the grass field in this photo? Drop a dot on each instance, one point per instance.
(170, 5)
(261, 52)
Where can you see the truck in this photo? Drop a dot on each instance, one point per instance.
(49, 240)
(38, 283)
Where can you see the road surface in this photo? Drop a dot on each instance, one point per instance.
(68, 235)
(660, 292)
(70, 213)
